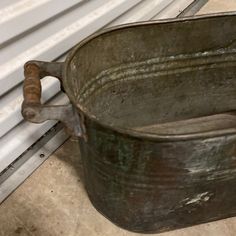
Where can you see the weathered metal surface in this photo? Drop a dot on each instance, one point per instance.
(158, 114)
(149, 187)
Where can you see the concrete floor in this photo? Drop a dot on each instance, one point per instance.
(214, 6)
(53, 201)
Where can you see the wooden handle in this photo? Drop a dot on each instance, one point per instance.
(32, 87)
(32, 109)
(34, 71)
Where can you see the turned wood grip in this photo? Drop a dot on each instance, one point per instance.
(32, 110)
(32, 85)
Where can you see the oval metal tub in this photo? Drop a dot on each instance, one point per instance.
(153, 105)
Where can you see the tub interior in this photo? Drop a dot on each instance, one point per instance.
(167, 78)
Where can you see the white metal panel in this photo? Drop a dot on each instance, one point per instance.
(173, 9)
(43, 32)
(23, 136)
(14, 19)
(142, 11)
(48, 42)
(62, 40)
(5, 3)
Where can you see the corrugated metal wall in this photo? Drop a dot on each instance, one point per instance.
(46, 30)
